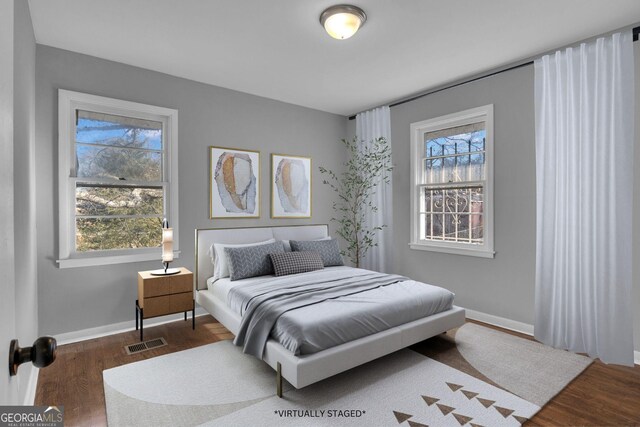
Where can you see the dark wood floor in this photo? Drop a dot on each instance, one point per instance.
(601, 396)
(75, 378)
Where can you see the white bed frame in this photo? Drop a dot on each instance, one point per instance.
(301, 371)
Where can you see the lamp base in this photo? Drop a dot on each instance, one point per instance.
(161, 272)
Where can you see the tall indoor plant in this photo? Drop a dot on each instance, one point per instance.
(367, 167)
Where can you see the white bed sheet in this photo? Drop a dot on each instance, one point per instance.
(220, 288)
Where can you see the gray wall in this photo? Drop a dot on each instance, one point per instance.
(81, 298)
(24, 184)
(503, 286)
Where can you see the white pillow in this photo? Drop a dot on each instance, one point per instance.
(219, 258)
(287, 245)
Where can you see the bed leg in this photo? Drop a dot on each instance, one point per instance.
(279, 380)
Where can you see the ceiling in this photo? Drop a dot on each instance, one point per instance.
(279, 50)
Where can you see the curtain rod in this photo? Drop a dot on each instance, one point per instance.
(636, 35)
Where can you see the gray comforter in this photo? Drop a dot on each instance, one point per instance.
(310, 312)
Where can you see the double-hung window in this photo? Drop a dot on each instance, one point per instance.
(452, 183)
(117, 179)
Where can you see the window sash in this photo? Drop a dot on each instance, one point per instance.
(111, 183)
(421, 132)
(69, 103)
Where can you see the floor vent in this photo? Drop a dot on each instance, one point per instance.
(145, 345)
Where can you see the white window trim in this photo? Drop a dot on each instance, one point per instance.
(418, 129)
(69, 101)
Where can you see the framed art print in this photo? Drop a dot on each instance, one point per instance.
(290, 186)
(234, 183)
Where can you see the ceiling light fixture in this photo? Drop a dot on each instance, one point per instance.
(343, 20)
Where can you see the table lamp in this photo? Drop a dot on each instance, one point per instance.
(167, 251)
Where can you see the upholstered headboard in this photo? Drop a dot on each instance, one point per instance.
(205, 237)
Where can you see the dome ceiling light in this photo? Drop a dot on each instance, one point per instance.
(343, 20)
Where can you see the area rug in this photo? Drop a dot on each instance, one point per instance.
(526, 368)
(483, 378)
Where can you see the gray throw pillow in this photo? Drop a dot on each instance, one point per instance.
(328, 249)
(251, 261)
(285, 263)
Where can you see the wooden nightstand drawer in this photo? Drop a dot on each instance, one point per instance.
(168, 304)
(158, 286)
(153, 286)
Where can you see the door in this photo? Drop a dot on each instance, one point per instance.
(8, 386)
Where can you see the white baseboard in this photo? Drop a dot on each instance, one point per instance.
(116, 328)
(512, 325)
(30, 394)
(636, 357)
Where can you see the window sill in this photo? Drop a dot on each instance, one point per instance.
(481, 253)
(111, 259)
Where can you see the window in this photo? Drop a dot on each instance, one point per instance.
(452, 177)
(117, 179)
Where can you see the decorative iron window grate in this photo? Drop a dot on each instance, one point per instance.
(452, 214)
(452, 189)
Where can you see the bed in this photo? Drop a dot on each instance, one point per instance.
(322, 345)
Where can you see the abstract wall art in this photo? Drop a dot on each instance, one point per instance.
(290, 186)
(234, 183)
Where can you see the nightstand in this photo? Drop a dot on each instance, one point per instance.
(162, 295)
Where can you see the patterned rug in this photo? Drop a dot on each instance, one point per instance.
(474, 376)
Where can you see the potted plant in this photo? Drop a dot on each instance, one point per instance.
(367, 167)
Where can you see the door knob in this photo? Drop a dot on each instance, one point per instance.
(41, 354)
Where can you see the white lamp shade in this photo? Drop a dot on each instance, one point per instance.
(167, 251)
(167, 235)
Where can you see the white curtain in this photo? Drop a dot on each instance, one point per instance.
(370, 125)
(584, 173)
